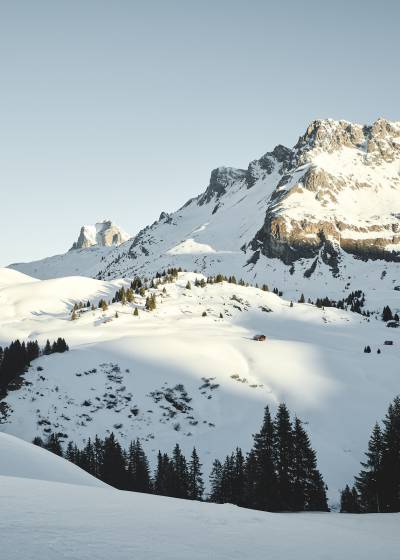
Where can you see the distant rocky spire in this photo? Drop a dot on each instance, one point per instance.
(103, 234)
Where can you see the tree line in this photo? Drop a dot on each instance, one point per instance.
(377, 487)
(278, 474)
(17, 357)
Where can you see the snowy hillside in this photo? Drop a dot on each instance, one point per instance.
(173, 375)
(315, 219)
(57, 510)
(24, 460)
(70, 522)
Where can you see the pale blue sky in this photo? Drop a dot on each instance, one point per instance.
(121, 109)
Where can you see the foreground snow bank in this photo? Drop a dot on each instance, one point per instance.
(59, 520)
(21, 459)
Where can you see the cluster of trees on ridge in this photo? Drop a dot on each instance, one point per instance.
(278, 474)
(17, 357)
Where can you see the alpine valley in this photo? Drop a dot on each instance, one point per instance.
(303, 247)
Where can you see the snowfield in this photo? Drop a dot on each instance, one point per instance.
(122, 374)
(54, 509)
(24, 460)
(76, 522)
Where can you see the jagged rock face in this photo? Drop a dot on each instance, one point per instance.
(103, 234)
(342, 185)
(220, 181)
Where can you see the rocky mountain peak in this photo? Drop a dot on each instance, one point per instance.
(329, 135)
(220, 181)
(102, 234)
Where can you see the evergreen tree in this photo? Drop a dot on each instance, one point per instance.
(216, 482)
(47, 348)
(265, 494)
(138, 469)
(88, 458)
(165, 477)
(284, 456)
(181, 483)
(309, 492)
(37, 440)
(53, 444)
(349, 500)
(391, 458)
(369, 481)
(71, 453)
(195, 477)
(113, 465)
(387, 314)
(151, 302)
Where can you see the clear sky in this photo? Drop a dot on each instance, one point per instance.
(120, 109)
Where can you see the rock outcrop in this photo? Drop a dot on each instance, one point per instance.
(341, 184)
(103, 234)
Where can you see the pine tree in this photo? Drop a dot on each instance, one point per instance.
(349, 500)
(195, 478)
(136, 312)
(37, 440)
(238, 478)
(251, 480)
(53, 444)
(216, 482)
(369, 481)
(71, 452)
(181, 489)
(391, 458)
(47, 348)
(387, 314)
(265, 493)
(151, 302)
(113, 465)
(165, 476)
(98, 449)
(302, 299)
(130, 297)
(284, 456)
(138, 469)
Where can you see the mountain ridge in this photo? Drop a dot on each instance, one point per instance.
(326, 209)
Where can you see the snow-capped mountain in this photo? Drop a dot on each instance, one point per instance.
(102, 234)
(314, 218)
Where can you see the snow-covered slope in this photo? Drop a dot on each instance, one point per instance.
(121, 374)
(21, 459)
(44, 519)
(10, 277)
(315, 219)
